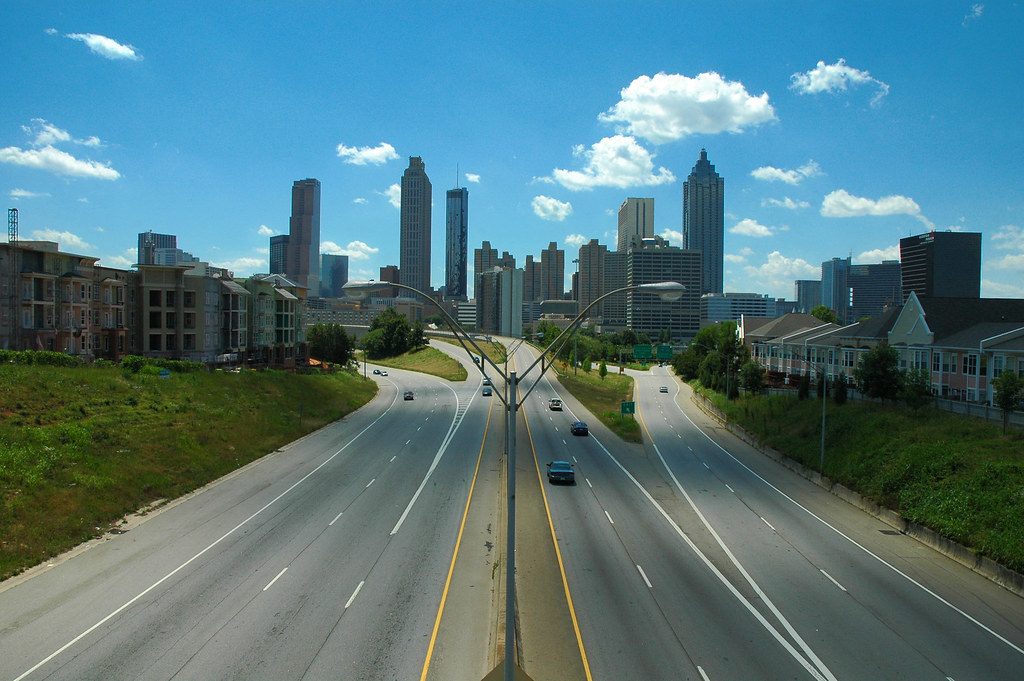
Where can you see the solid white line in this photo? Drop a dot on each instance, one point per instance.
(354, 594)
(833, 580)
(609, 518)
(370, 483)
(335, 519)
(702, 674)
(644, 575)
(275, 579)
(767, 523)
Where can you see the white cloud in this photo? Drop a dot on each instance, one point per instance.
(106, 47)
(996, 289)
(51, 31)
(669, 107)
(842, 204)
(242, 267)
(356, 250)
(394, 195)
(378, 155)
(1009, 237)
(786, 203)
(574, 240)
(833, 78)
(26, 194)
(974, 14)
(360, 200)
(613, 162)
(779, 272)
(547, 208)
(772, 174)
(748, 227)
(58, 162)
(879, 254)
(672, 236)
(48, 134)
(265, 231)
(1008, 262)
(733, 257)
(472, 177)
(69, 242)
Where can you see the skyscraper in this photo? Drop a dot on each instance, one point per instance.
(704, 221)
(333, 275)
(942, 265)
(636, 216)
(591, 280)
(552, 272)
(457, 242)
(150, 242)
(873, 288)
(653, 260)
(279, 254)
(414, 228)
(304, 236)
(835, 286)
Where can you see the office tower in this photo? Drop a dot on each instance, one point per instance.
(873, 288)
(942, 265)
(304, 236)
(457, 242)
(484, 258)
(590, 283)
(499, 302)
(414, 236)
(653, 260)
(636, 217)
(613, 309)
(279, 254)
(722, 307)
(150, 242)
(392, 275)
(506, 261)
(531, 280)
(552, 272)
(835, 286)
(704, 221)
(333, 275)
(808, 295)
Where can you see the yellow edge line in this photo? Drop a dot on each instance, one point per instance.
(558, 554)
(458, 542)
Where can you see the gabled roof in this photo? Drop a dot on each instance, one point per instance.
(971, 337)
(947, 317)
(234, 287)
(784, 326)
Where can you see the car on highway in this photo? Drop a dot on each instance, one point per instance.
(376, 372)
(384, 373)
(486, 391)
(663, 389)
(409, 395)
(487, 380)
(561, 471)
(579, 428)
(555, 404)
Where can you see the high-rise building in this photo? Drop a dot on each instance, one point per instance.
(531, 280)
(150, 242)
(835, 286)
(590, 284)
(484, 258)
(279, 254)
(704, 221)
(636, 217)
(873, 288)
(456, 243)
(941, 265)
(499, 302)
(552, 272)
(303, 262)
(392, 275)
(414, 236)
(613, 309)
(808, 295)
(654, 260)
(333, 275)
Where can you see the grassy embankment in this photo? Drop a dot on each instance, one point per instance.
(425, 360)
(958, 476)
(603, 397)
(80, 448)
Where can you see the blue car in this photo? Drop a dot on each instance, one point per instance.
(579, 428)
(561, 471)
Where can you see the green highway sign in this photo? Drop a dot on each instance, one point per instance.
(628, 408)
(643, 352)
(664, 352)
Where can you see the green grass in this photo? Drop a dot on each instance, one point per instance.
(80, 448)
(496, 351)
(427, 360)
(958, 476)
(603, 398)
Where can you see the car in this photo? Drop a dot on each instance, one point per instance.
(486, 391)
(376, 372)
(663, 389)
(409, 395)
(561, 471)
(383, 373)
(487, 380)
(579, 428)
(555, 404)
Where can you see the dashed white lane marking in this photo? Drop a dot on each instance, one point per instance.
(275, 579)
(644, 575)
(706, 466)
(355, 593)
(335, 519)
(768, 524)
(370, 483)
(609, 518)
(588, 482)
(393, 458)
(730, 489)
(702, 674)
(831, 579)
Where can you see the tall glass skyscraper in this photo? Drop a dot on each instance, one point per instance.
(456, 243)
(414, 227)
(704, 221)
(303, 261)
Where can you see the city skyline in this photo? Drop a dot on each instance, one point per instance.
(849, 138)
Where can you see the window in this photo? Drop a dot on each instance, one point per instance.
(171, 320)
(190, 320)
(920, 360)
(998, 364)
(848, 358)
(154, 298)
(171, 298)
(189, 341)
(170, 342)
(970, 365)
(936, 362)
(190, 299)
(154, 319)
(154, 342)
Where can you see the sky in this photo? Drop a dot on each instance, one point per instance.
(839, 127)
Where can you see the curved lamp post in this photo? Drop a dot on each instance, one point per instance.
(666, 290)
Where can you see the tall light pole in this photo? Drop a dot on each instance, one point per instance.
(667, 290)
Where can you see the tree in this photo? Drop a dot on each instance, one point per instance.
(587, 364)
(878, 373)
(823, 313)
(917, 388)
(804, 387)
(329, 343)
(417, 337)
(602, 369)
(388, 336)
(1009, 391)
(839, 389)
(752, 376)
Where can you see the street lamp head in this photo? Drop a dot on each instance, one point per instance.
(362, 289)
(668, 291)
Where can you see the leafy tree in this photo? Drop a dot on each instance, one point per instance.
(752, 377)
(417, 337)
(917, 388)
(804, 387)
(1009, 391)
(329, 343)
(388, 336)
(878, 373)
(839, 390)
(587, 364)
(823, 313)
(687, 363)
(602, 369)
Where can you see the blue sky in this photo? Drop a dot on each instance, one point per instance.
(839, 127)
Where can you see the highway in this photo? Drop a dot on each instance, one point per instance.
(372, 549)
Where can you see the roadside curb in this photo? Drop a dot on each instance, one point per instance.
(1003, 576)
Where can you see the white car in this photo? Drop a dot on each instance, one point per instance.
(555, 404)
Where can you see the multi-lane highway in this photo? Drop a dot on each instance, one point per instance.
(373, 549)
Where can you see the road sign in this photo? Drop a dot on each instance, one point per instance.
(664, 352)
(628, 408)
(643, 352)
